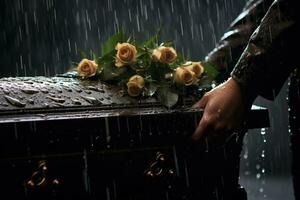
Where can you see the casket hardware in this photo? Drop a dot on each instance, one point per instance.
(159, 168)
(39, 179)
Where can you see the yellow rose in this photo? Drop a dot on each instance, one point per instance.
(196, 67)
(135, 85)
(87, 68)
(126, 54)
(184, 76)
(165, 55)
(138, 80)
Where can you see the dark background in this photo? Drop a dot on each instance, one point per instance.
(44, 37)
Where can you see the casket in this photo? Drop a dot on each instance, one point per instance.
(63, 138)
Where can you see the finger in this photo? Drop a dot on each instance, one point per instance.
(201, 129)
(201, 103)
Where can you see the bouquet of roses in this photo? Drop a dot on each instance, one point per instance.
(145, 69)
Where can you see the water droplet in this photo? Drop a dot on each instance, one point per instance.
(76, 102)
(59, 90)
(58, 100)
(6, 91)
(77, 89)
(91, 100)
(30, 101)
(92, 88)
(58, 104)
(51, 94)
(29, 90)
(44, 90)
(4, 104)
(263, 153)
(28, 82)
(14, 101)
(258, 175)
(67, 88)
(46, 105)
(261, 190)
(88, 91)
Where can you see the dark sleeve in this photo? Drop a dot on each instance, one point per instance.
(271, 53)
(225, 55)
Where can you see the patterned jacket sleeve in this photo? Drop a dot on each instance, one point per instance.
(225, 55)
(271, 53)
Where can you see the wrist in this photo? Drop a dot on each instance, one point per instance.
(247, 95)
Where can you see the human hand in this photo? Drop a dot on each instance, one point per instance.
(223, 112)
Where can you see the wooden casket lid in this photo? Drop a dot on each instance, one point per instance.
(63, 97)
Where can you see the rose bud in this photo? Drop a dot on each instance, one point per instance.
(166, 55)
(135, 85)
(87, 68)
(196, 67)
(126, 54)
(184, 76)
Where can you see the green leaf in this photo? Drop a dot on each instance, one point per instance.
(142, 52)
(157, 71)
(95, 58)
(205, 80)
(167, 97)
(111, 72)
(150, 90)
(152, 41)
(209, 70)
(129, 40)
(82, 54)
(107, 58)
(168, 44)
(111, 43)
(180, 60)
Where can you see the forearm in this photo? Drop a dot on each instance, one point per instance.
(224, 56)
(270, 56)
